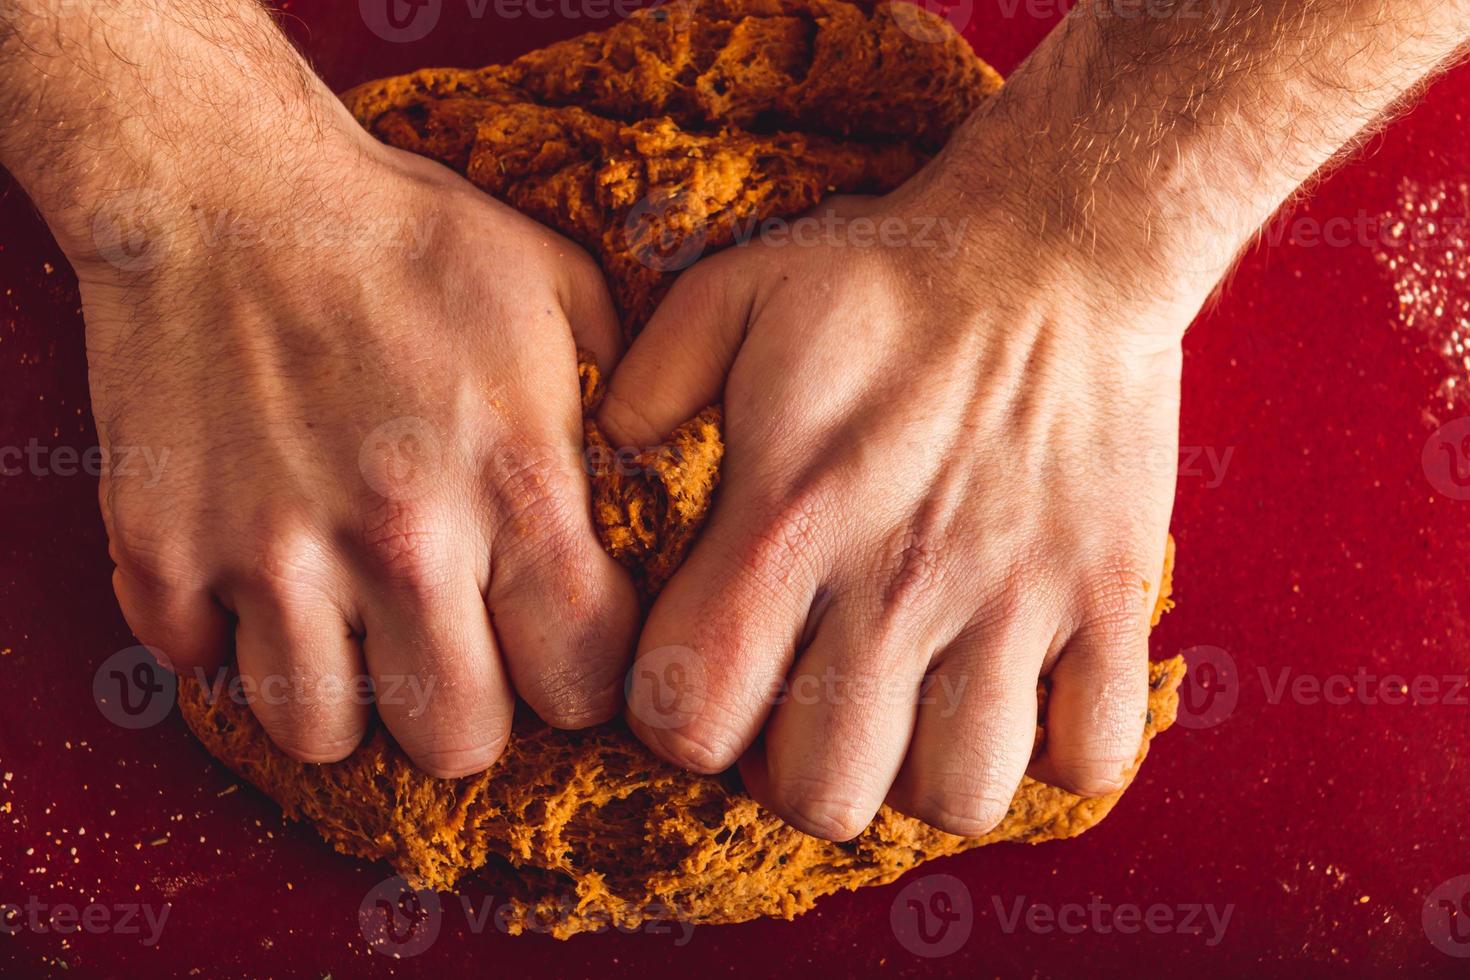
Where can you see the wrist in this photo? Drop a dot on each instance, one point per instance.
(1085, 178)
(192, 209)
(131, 117)
(1029, 230)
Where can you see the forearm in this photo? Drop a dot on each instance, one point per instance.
(1160, 136)
(176, 98)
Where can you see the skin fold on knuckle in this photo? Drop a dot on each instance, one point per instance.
(403, 549)
(452, 755)
(914, 569)
(786, 543)
(315, 743)
(529, 473)
(152, 549)
(280, 561)
(1094, 761)
(972, 811)
(576, 692)
(705, 745)
(1115, 608)
(823, 806)
(1087, 776)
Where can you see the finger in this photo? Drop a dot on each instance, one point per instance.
(975, 731)
(591, 315)
(186, 623)
(835, 742)
(440, 687)
(565, 612)
(302, 669)
(724, 630)
(1096, 708)
(678, 363)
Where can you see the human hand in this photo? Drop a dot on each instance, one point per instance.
(964, 469)
(372, 463)
(944, 477)
(359, 376)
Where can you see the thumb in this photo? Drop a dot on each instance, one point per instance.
(677, 366)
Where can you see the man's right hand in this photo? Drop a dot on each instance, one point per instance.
(359, 376)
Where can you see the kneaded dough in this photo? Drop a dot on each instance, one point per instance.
(675, 126)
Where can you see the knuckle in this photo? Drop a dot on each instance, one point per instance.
(912, 570)
(576, 694)
(403, 547)
(281, 560)
(1089, 777)
(306, 744)
(1116, 604)
(145, 547)
(787, 542)
(972, 811)
(537, 500)
(574, 582)
(823, 807)
(1016, 597)
(705, 745)
(451, 759)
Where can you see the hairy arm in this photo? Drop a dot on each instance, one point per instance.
(361, 371)
(1167, 132)
(180, 97)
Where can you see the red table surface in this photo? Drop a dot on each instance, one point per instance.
(1322, 549)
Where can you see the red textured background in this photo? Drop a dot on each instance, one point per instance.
(1325, 549)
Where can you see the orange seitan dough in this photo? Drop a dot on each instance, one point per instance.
(649, 143)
